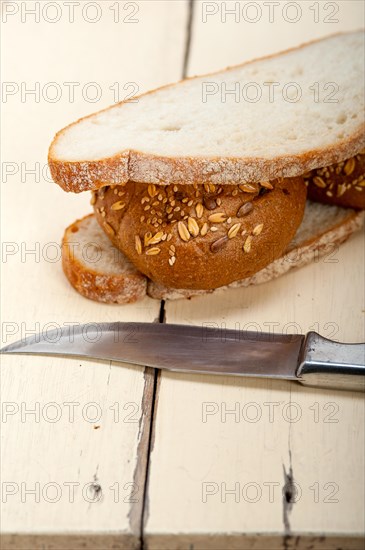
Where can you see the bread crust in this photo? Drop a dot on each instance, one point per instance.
(296, 256)
(201, 237)
(342, 184)
(97, 285)
(137, 166)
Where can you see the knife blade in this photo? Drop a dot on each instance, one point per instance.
(309, 359)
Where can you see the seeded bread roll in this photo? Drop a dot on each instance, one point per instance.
(201, 236)
(342, 184)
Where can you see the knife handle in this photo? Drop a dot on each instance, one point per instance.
(327, 364)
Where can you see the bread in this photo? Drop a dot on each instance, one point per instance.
(201, 237)
(106, 280)
(176, 134)
(321, 232)
(342, 184)
(96, 269)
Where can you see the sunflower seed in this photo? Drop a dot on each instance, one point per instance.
(219, 244)
(245, 209)
(209, 203)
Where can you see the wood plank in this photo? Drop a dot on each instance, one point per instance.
(279, 432)
(103, 448)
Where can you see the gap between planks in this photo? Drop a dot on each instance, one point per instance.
(139, 511)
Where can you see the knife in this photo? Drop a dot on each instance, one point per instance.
(310, 359)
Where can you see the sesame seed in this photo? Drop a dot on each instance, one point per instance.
(214, 229)
(169, 237)
(172, 260)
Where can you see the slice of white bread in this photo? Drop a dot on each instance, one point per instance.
(111, 278)
(96, 269)
(289, 113)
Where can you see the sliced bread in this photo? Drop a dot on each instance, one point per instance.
(99, 271)
(96, 269)
(278, 116)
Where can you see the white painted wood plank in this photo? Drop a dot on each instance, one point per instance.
(193, 454)
(109, 452)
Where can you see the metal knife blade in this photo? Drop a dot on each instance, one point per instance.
(173, 347)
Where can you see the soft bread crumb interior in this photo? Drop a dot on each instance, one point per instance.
(177, 122)
(94, 250)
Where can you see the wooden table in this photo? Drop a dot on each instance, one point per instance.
(101, 456)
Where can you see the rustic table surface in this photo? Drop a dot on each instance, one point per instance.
(99, 456)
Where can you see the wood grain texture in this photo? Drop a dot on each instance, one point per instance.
(262, 464)
(92, 419)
